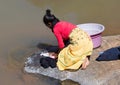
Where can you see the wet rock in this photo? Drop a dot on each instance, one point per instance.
(97, 73)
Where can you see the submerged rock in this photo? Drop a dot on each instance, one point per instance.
(97, 73)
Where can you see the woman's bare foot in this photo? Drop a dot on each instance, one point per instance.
(85, 63)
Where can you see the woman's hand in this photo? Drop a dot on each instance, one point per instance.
(53, 55)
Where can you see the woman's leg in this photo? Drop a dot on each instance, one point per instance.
(85, 63)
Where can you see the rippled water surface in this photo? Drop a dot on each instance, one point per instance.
(21, 29)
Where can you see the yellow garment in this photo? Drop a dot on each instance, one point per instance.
(72, 56)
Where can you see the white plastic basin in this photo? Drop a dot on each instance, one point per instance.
(94, 30)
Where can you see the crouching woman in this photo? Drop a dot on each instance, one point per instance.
(75, 54)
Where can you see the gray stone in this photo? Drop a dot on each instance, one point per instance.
(97, 73)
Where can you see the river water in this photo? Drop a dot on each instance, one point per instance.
(21, 29)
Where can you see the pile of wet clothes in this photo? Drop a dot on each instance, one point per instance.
(110, 54)
(46, 61)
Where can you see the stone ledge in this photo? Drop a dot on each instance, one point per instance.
(97, 73)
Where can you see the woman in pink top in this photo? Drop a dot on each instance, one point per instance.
(61, 30)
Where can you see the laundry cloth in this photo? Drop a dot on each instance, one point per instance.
(46, 62)
(72, 56)
(110, 54)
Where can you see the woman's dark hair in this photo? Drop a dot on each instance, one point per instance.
(50, 18)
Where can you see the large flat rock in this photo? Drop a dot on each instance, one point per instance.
(97, 73)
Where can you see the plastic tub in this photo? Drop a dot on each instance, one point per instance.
(94, 30)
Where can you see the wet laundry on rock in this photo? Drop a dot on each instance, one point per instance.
(110, 54)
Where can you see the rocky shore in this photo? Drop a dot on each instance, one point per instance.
(97, 73)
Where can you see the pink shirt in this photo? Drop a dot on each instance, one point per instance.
(62, 30)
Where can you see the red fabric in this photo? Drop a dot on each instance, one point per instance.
(62, 30)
